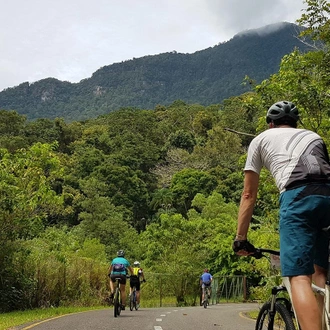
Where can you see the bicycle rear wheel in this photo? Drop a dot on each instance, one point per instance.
(135, 303)
(205, 303)
(131, 301)
(206, 298)
(116, 307)
(282, 319)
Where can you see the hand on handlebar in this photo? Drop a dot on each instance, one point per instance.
(243, 247)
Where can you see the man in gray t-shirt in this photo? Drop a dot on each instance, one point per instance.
(298, 160)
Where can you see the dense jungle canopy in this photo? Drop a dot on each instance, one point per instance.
(162, 184)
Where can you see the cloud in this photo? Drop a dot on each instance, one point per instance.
(71, 39)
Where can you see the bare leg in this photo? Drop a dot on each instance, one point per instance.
(319, 278)
(123, 294)
(305, 303)
(111, 286)
(138, 297)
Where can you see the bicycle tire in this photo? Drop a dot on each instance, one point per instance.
(116, 307)
(206, 298)
(135, 303)
(282, 319)
(205, 303)
(131, 301)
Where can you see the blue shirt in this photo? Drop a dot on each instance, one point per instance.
(119, 265)
(206, 277)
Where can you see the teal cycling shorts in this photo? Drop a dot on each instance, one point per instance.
(304, 211)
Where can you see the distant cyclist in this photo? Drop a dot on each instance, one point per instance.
(118, 269)
(135, 281)
(205, 281)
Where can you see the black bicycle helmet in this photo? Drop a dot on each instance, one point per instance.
(282, 109)
(121, 253)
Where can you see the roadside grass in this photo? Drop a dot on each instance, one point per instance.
(253, 314)
(12, 319)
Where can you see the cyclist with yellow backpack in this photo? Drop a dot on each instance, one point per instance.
(136, 278)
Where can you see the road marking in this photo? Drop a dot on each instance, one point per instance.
(159, 320)
(163, 315)
(51, 318)
(44, 321)
(157, 327)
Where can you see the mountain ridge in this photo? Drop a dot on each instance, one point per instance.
(206, 77)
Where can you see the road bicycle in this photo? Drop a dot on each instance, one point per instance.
(206, 291)
(278, 312)
(117, 298)
(132, 300)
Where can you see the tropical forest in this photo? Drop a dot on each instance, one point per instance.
(163, 184)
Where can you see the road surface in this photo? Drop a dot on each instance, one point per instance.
(215, 317)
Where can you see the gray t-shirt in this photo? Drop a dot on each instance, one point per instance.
(291, 155)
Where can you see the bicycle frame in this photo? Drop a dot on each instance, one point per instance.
(325, 292)
(286, 286)
(206, 293)
(326, 312)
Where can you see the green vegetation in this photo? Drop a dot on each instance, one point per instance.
(162, 184)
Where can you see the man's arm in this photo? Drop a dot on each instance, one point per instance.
(248, 199)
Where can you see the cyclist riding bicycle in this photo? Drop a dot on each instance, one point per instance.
(299, 162)
(205, 282)
(137, 276)
(118, 269)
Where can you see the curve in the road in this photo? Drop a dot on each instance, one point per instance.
(156, 323)
(50, 319)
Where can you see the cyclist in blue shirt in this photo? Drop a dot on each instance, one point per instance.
(118, 269)
(205, 281)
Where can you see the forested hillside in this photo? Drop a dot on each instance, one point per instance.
(163, 184)
(204, 77)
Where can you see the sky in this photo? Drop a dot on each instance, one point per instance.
(71, 39)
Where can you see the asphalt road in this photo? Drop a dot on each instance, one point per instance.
(215, 317)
